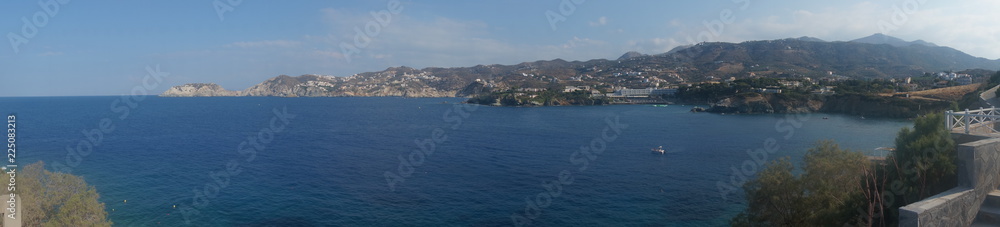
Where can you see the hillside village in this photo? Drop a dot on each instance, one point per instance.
(702, 74)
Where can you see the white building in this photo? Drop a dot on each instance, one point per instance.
(769, 90)
(790, 83)
(646, 92)
(576, 88)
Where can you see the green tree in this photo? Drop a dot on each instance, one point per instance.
(822, 195)
(926, 158)
(774, 198)
(922, 165)
(828, 170)
(57, 199)
(993, 82)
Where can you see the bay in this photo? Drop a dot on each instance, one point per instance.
(327, 166)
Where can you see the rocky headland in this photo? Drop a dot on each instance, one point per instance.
(199, 90)
(385, 83)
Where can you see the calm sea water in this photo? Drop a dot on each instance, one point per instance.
(327, 166)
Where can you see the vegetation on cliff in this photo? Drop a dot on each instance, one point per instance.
(839, 187)
(538, 98)
(57, 199)
(880, 106)
(922, 165)
(875, 98)
(817, 197)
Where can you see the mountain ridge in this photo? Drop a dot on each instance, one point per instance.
(879, 38)
(792, 57)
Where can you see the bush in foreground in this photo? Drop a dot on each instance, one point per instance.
(57, 199)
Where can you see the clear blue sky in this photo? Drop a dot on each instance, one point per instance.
(103, 47)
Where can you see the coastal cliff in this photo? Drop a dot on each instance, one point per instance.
(853, 104)
(712, 62)
(199, 90)
(406, 85)
(765, 103)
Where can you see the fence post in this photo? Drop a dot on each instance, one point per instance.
(967, 121)
(992, 121)
(947, 120)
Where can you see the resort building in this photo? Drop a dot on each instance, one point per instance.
(646, 92)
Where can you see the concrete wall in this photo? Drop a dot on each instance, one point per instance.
(989, 98)
(978, 174)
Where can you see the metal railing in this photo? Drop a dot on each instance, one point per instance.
(971, 121)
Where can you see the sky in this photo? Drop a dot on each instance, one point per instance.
(103, 47)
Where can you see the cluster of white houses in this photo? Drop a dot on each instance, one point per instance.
(961, 79)
(640, 93)
(625, 92)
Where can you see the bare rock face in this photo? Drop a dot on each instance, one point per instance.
(286, 86)
(390, 83)
(756, 104)
(198, 90)
(742, 105)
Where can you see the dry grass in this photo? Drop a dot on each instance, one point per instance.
(948, 94)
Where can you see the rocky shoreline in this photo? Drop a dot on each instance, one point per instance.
(852, 104)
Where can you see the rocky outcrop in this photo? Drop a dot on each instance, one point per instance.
(741, 105)
(199, 90)
(759, 103)
(472, 89)
(852, 104)
(287, 86)
(389, 84)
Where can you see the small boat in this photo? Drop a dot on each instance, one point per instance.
(658, 150)
(660, 105)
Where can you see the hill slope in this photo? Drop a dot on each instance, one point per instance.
(794, 57)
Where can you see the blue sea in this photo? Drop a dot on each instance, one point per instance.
(413, 161)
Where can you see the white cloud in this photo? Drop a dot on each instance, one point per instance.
(447, 42)
(577, 42)
(442, 42)
(839, 23)
(654, 45)
(969, 27)
(601, 21)
(266, 43)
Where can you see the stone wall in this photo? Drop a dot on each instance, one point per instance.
(978, 174)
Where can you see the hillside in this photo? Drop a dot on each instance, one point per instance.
(946, 94)
(884, 39)
(817, 59)
(784, 58)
